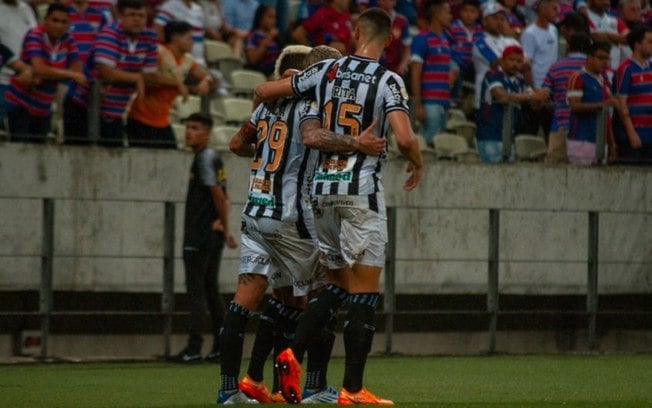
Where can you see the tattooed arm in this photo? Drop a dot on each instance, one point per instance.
(316, 137)
(243, 143)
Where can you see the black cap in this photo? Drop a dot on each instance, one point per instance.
(200, 117)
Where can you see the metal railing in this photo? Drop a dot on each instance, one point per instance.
(167, 307)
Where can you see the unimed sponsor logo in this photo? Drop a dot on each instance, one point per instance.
(346, 176)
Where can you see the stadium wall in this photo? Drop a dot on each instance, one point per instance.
(108, 246)
(109, 222)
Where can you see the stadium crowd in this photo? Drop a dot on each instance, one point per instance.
(564, 69)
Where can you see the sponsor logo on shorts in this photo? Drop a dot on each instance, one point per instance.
(255, 259)
(335, 203)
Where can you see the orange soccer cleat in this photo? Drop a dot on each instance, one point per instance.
(362, 397)
(256, 390)
(289, 375)
(277, 398)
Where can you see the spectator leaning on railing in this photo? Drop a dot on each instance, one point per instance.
(633, 129)
(17, 18)
(501, 86)
(188, 11)
(589, 93)
(123, 57)
(557, 82)
(148, 123)
(53, 55)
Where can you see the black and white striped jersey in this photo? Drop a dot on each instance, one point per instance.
(279, 182)
(348, 94)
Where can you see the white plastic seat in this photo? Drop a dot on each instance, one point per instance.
(221, 136)
(448, 145)
(529, 147)
(216, 50)
(231, 111)
(244, 81)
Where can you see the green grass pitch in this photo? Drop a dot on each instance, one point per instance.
(491, 381)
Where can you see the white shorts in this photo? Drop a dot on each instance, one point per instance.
(349, 232)
(274, 249)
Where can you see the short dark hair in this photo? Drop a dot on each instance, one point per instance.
(56, 7)
(579, 42)
(375, 22)
(473, 3)
(599, 45)
(200, 117)
(637, 34)
(576, 21)
(292, 60)
(174, 28)
(432, 6)
(321, 53)
(132, 4)
(258, 16)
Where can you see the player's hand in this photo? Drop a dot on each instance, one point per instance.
(415, 176)
(368, 141)
(230, 241)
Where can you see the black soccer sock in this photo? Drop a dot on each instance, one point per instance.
(286, 326)
(264, 339)
(231, 339)
(320, 310)
(359, 331)
(319, 354)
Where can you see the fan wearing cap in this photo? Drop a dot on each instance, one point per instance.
(501, 86)
(588, 93)
(205, 232)
(489, 47)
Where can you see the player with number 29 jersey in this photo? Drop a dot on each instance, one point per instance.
(279, 184)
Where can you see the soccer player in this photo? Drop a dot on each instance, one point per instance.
(350, 216)
(123, 58)
(588, 92)
(634, 89)
(278, 237)
(53, 56)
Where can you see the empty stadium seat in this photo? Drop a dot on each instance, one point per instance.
(448, 146)
(245, 81)
(530, 148)
(221, 136)
(231, 110)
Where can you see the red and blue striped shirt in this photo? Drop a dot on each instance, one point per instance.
(84, 26)
(635, 82)
(462, 40)
(434, 52)
(37, 100)
(557, 82)
(591, 89)
(115, 49)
